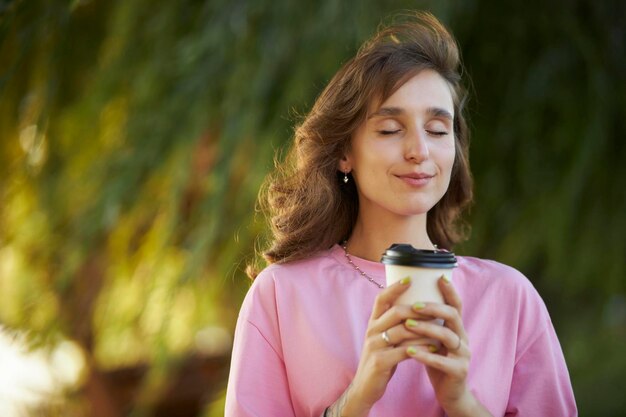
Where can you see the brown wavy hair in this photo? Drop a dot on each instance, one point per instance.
(307, 204)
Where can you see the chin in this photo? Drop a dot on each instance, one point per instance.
(413, 210)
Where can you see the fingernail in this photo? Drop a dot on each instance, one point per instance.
(432, 348)
(405, 280)
(411, 350)
(446, 279)
(418, 306)
(411, 323)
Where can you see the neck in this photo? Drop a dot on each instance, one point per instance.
(375, 232)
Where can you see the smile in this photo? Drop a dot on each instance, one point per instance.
(416, 180)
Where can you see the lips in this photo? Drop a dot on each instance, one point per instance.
(416, 175)
(416, 179)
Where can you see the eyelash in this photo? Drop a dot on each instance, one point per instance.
(388, 132)
(393, 132)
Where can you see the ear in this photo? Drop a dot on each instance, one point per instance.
(344, 165)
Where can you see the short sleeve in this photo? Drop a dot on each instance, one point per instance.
(257, 384)
(541, 384)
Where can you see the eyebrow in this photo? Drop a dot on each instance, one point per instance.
(398, 111)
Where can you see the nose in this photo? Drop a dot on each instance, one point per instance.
(416, 147)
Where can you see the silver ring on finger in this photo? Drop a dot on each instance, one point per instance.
(385, 337)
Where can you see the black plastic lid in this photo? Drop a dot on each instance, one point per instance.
(406, 255)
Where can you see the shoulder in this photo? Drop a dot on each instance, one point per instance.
(490, 268)
(301, 270)
(486, 280)
(278, 280)
(485, 272)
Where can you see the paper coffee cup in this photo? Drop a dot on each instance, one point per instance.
(424, 268)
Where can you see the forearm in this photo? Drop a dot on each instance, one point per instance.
(469, 406)
(347, 405)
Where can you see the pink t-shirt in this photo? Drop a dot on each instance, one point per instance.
(302, 325)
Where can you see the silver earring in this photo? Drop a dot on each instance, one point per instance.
(345, 178)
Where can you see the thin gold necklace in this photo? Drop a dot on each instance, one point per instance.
(344, 245)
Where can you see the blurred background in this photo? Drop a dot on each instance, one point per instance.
(134, 136)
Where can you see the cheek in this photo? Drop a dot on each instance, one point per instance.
(369, 161)
(445, 156)
(451, 160)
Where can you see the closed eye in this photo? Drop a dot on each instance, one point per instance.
(388, 132)
(437, 133)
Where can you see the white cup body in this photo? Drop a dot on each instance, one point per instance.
(423, 288)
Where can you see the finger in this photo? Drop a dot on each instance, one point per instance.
(450, 296)
(449, 339)
(397, 335)
(388, 296)
(446, 364)
(394, 316)
(384, 360)
(449, 314)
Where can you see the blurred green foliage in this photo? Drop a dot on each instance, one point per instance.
(134, 136)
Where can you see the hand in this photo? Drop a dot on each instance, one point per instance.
(379, 359)
(448, 366)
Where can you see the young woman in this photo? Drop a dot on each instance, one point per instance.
(381, 159)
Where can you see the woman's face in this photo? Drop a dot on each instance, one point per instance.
(401, 157)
